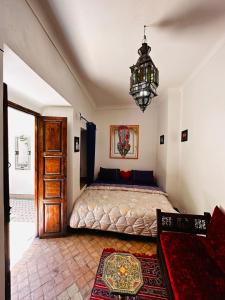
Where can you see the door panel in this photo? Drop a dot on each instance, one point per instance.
(53, 165)
(53, 136)
(52, 202)
(53, 189)
(52, 218)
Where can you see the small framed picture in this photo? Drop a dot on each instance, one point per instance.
(76, 144)
(184, 135)
(161, 139)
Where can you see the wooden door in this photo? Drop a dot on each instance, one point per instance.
(52, 157)
(6, 191)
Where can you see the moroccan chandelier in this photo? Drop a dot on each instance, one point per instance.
(144, 78)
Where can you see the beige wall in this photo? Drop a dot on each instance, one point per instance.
(202, 171)
(147, 137)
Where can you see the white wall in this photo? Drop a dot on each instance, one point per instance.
(32, 45)
(193, 172)
(147, 137)
(168, 154)
(19, 123)
(161, 149)
(173, 145)
(202, 173)
(16, 97)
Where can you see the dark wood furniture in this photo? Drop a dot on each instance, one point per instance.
(172, 222)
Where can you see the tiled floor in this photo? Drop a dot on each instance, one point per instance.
(22, 210)
(64, 268)
(22, 227)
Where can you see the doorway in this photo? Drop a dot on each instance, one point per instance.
(21, 147)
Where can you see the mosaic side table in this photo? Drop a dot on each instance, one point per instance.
(122, 274)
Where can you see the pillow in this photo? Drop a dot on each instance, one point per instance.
(125, 175)
(142, 177)
(216, 237)
(109, 175)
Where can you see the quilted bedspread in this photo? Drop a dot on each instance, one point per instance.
(126, 209)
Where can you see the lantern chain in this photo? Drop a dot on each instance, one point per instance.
(145, 38)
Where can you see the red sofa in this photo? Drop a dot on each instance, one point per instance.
(191, 251)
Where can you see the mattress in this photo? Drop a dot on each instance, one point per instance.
(125, 209)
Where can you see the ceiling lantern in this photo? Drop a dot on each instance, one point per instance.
(144, 78)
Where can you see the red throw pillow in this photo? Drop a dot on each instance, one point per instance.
(216, 225)
(125, 175)
(216, 237)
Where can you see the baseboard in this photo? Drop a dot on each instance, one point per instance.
(22, 196)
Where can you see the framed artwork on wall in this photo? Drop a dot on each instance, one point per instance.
(124, 141)
(161, 139)
(76, 144)
(184, 135)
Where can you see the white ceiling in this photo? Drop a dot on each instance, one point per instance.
(24, 83)
(102, 37)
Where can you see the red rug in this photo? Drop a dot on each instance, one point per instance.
(153, 288)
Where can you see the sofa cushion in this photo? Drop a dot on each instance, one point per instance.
(216, 237)
(192, 272)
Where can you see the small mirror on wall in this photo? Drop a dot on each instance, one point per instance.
(22, 153)
(76, 144)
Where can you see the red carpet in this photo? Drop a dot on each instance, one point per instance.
(153, 288)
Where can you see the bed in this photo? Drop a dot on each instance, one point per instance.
(128, 209)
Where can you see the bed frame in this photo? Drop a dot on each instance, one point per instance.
(113, 234)
(172, 222)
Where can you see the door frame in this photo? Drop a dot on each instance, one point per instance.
(36, 116)
(6, 105)
(6, 194)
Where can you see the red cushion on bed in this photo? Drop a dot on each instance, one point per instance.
(216, 237)
(125, 174)
(193, 273)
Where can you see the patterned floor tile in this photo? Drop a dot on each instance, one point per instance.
(22, 210)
